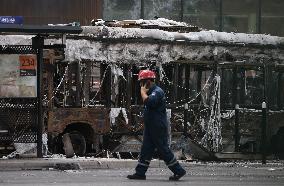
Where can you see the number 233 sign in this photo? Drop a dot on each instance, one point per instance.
(28, 64)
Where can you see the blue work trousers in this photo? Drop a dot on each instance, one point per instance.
(157, 138)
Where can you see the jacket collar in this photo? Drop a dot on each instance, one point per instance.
(151, 89)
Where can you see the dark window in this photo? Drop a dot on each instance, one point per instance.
(169, 9)
(272, 17)
(121, 9)
(275, 90)
(249, 87)
(280, 90)
(227, 87)
(240, 16)
(202, 13)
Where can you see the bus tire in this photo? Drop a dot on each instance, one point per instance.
(67, 145)
(78, 142)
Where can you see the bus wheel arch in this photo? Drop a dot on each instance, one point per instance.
(81, 135)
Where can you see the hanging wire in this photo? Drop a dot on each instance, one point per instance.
(102, 81)
(212, 138)
(193, 99)
(59, 85)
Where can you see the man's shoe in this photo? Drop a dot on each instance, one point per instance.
(136, 177)
(176, 177)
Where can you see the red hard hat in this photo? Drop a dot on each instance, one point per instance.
(146, 74)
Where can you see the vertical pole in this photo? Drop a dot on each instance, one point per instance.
(69, 84)
(39, 43)
(223, 102)
(199, 80)
(221, 15)
(181, 10)
(180, 81)
(235, 101)
(175, 81)
(263, 132)
(107, 86)
(78, 84)
(237, 132)
(87, 81)
(185, 128)
(187, 94)
(264, 116)
(279, 93)
(172, 88)
(187, 75)
(128, 86)
(142, 8)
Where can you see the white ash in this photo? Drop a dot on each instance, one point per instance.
(116, 72)
(161, 22)
(29, 149)
(202, 36)
(78, 49)
(114, 112)
(228, 114)
(163, 53)
(212, 140)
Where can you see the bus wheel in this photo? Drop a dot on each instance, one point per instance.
(67, 146)
(78, 142)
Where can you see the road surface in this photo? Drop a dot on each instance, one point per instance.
(199, 174)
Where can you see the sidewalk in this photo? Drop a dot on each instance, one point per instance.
(62, 163)
(73, 163)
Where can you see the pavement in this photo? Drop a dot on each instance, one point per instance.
(205, 174)
(79, 163)
(73, 163)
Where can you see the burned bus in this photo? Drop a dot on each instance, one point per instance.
(216, 86)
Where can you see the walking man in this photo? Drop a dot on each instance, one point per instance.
(155, 129)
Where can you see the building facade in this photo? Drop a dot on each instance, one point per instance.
(52, 11)
(247, 16)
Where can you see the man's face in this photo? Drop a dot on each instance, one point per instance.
(142, 82)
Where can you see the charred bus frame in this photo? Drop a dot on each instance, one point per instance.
(242, 83)
(97, 102)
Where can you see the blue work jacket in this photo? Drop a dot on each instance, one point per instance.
(155, 117)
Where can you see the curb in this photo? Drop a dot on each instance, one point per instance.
(73, 164)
